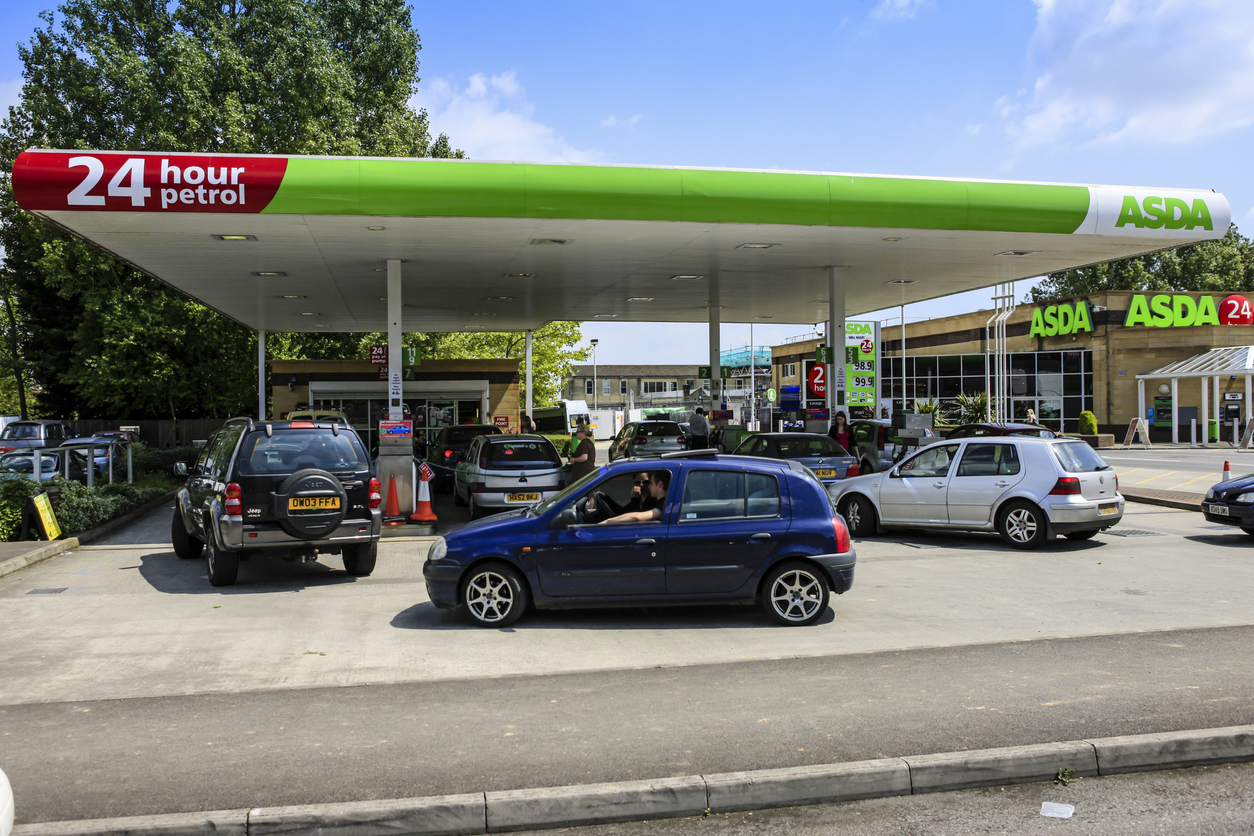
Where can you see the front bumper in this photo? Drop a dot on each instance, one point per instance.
(236, 535)
(1238, 515)
(442, 580)
(1067, 514)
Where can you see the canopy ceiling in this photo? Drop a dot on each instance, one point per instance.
(299, 243)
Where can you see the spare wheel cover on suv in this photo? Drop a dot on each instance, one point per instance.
(314, 522)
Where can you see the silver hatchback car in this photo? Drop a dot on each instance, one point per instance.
(648, 438)
(508, 471)
(1026, 489)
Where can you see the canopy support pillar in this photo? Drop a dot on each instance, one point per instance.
(1205, 410)
(716, 358)
(835, 344)
(1140, 400)
(1175, 410)
(395, 360)
(261, 375)
(527, 377)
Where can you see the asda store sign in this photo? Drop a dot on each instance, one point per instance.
(1060, 320)
(1167, 311)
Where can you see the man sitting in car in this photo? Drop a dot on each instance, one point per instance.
(657, 492)
(641, 497)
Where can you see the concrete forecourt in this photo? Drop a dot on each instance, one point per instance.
(302, 698)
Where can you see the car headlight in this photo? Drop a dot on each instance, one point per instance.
(438, 550)
(1245, 497)
(1210, 494)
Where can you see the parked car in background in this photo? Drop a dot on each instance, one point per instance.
(727, 529)
(980, 430)
(648, 438)
(1231, 503)
(320, 416)
(871, 440)
(51, 464)
(131, 436)
(500, 472)
(1026, 489)
(825, 457)
(20, 435)
(101, 450)
(449, 446)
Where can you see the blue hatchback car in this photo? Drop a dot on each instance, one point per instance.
(688, 528)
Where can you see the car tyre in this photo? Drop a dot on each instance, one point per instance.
(457, 497)
(494, 595)
(866, 467)
(859, 515)
(223, 565)
(1022, 525)
(1081, 535)
(795, 594)
(475, 511)
(185, 545)
(1249, 531)
(359, 560)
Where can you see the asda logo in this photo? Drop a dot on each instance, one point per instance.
(1167, 311)
(1164, 213)
(1060, 320)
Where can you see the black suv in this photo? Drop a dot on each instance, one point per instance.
(290, 489)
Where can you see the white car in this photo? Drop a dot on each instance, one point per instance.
(1026, 489)
(500, 472)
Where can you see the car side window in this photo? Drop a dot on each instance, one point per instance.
(762, 495)
(989, 460)
(713, 494)
(932, 462)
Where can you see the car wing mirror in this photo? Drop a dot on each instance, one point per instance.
(567, 518)
(180, 468)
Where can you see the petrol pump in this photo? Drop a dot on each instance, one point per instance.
(396, 463)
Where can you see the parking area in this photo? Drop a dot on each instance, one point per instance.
(125, 617)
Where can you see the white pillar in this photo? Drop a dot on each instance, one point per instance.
(716, 359)
(1175, 410)
(528, 375)
(1205, 410)
(836, 344)
(261, 375)
(395, 360)
(1140, 399)
(1249, 398)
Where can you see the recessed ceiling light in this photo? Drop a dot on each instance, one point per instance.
(1018, 253)
(500, 298)
(550, 240)
(375, 228)
(892, 239)
(686, 278)
(818, 301)
(308, 313)
(235, 237)
(640, 298)
(756, 246)
(269, 273)
(902, 281)
(764, 317)
(293, 297)
(320, 325)
(485, 313)
(520, 275)
(605, 316)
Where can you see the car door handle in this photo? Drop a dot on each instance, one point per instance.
(761, 536)
(938, 484)
(646, 542)
(1001, 484)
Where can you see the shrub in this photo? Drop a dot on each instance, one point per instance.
(13, 496)
(971, 409)
(1088, 423)
(561, 442)
(153, 462)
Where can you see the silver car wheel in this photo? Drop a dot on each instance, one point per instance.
(1021, 525)
(796, 595)
(489, 597)
(853, 515)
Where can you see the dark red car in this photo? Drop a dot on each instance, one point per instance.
(973, 430)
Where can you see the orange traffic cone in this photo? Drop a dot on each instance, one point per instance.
(392, 513)
(1227, 472)
(422, 510)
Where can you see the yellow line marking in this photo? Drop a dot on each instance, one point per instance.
(1159, 476)
(1191, 481)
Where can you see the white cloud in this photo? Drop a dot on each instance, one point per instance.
(616, 122)
(1153, 71)
(974, 130)
(491, 119)
(897, 9)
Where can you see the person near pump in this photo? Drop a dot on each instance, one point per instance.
(700, 427)
(839, 431)
(583, 457)
(657, 492)
(526, 428)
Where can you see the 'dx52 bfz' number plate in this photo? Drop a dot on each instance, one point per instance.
(313, 503)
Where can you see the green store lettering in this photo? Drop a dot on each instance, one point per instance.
(1166, 311)
(1157, 213)
(1060, 320)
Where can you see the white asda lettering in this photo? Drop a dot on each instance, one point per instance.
(196, 176)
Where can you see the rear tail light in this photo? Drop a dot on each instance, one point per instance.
(853, 470)
(232, 505)
(375, 492)
(448, 454)
(1066, 486)
(883, 433)
(640, 440)
(682, 441)
(7, 449)
(1116, 483)
(842, 535)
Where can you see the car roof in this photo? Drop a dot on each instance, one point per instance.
(719, 460)
(789, 435)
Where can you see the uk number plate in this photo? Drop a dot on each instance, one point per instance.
(522, 497)
(1218, 510)
(1108, 509)
(825, 473)
(313, 503)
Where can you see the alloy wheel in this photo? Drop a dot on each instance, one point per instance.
(489, 597)
(796, 595)
(1021, 525)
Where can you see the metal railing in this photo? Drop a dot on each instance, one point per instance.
(85, 451)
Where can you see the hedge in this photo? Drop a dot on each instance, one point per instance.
(80, 508)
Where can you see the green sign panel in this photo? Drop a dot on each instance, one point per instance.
(703, 372)
(862, 351)
(823, 355)
(771, 395)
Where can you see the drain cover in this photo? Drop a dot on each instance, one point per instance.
(47, 591)
(1133, 532)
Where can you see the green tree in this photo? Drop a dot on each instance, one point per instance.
(552, 354)
(1222, 266)
(244, 76)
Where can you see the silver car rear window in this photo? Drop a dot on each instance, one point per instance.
(1079, 457)
(519, 455)
(659, 430)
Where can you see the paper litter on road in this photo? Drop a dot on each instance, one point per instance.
(1057, 811)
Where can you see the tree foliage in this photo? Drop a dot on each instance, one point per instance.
(552, 354)
(1222, 266)
(244, 76)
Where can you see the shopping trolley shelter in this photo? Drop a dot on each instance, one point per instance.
(369, 244)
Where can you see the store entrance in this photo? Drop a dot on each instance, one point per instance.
(428, 415)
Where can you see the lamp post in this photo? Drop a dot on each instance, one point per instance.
(595, 403)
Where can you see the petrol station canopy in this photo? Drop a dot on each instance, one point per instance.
(297, 243)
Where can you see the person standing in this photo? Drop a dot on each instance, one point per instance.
(840, 431)
(583, 457)
(527, 427)
(699, 428)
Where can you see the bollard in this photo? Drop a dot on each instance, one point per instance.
(130, 472)
(1192, 432)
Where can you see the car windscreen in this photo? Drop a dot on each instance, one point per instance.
(570, 492)
(659, 429)
(21, 463)
(465, 435)
(1033, 433)
(1079, 457)
(287, 451)
(519, 455)
(795, 448)
(20, 431)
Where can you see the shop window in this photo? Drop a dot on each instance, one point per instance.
(1073, 361)
(605, 387)
(469, 412)
(1049, 362)
(587, 386)
(924, 367)
(622, 387)
(1071, 408)
(1024, 362)
(949, 365)
(439, 413)
(1049, 384)
(1022, 382)
(973, 366)
(1088, 383)
(950, 387)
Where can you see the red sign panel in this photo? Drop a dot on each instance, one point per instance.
(379, 355)
(500, 420)
(393, 429)
(816, 381)
(121, 181)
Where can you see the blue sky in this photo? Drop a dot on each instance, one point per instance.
(1131, 92)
